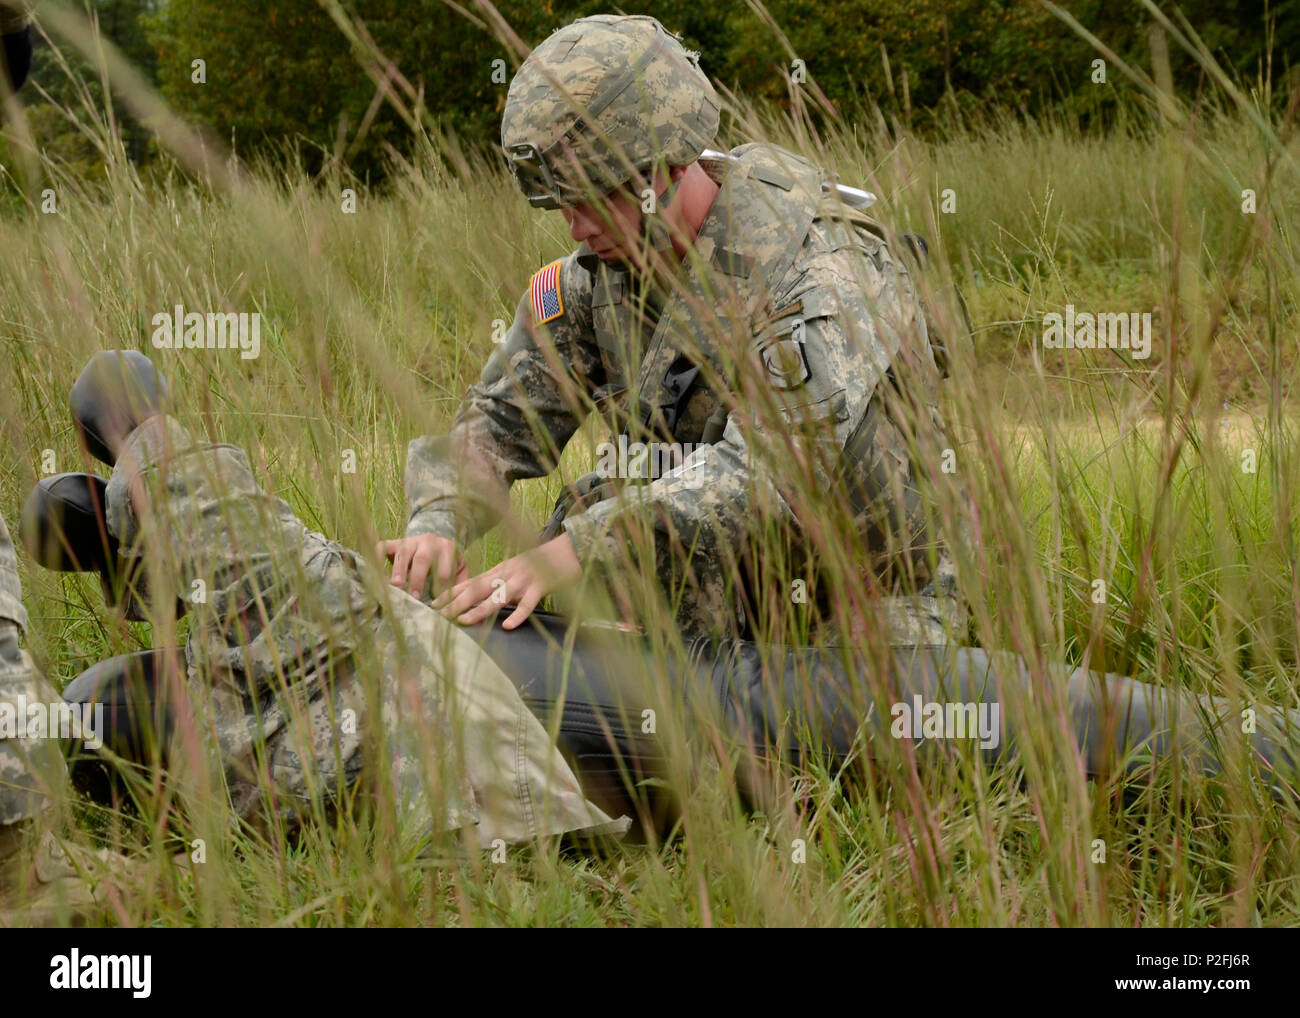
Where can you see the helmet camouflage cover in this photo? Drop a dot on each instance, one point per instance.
(620, 94)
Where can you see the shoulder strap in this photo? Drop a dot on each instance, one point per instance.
(747, 244)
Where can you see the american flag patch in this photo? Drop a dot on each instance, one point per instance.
(545, 293)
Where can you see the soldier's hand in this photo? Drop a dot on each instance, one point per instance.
(523, 581)
(416, 560)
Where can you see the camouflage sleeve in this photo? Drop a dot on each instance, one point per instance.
(513, 423)
(841, 316)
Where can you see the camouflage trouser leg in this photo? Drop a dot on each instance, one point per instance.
(924, 620)
(29, 768)
(936, 616)
(707, 587)
(698, 590)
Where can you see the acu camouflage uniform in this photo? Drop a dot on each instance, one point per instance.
(29, 768)
(816, 302)
(298, 667)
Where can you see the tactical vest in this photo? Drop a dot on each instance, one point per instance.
(744, 248)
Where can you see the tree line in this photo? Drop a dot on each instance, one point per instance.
(270, 76)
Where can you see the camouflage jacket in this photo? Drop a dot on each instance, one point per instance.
(804, 289)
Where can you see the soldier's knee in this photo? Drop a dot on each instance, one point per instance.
(31, 760)
(29, 769)
(11, 655)
(924, 620)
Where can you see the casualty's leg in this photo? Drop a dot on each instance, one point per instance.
(1119, 722)
(787, 704)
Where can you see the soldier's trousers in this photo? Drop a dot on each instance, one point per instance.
(29, 767)
(707, 593)
(746, 593)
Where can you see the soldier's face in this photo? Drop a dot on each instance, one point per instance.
(610, 227)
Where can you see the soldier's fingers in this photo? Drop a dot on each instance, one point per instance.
(446, 563)
(387, 549)
(462, 573)
(444, 596)
(401, 559)
(420, 562)
(478, 613)
(467, 595)
(454, 591)
(481, 586)
(452, 602)
(527, 602)
(489, 602)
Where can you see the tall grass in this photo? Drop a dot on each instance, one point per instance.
(1079, 466)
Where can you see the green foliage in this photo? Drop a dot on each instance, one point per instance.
(284, 76)
(285, 71)
(74, 87)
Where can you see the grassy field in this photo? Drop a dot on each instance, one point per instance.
(1080, 465)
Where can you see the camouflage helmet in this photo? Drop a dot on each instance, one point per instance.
(621, 92)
